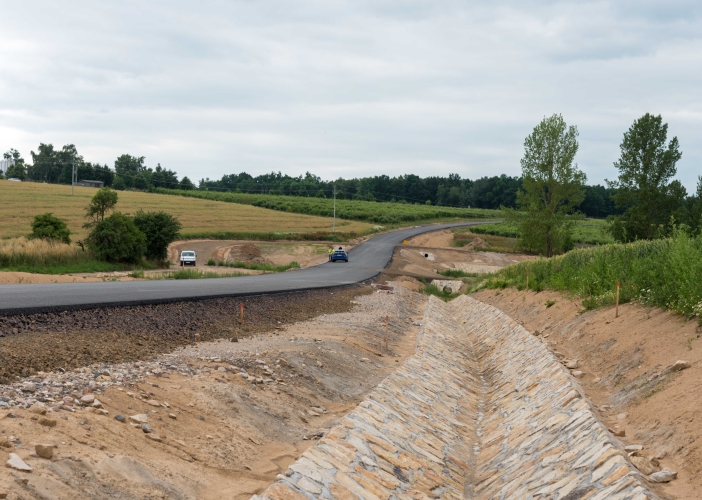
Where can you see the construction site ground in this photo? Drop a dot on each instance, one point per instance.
(226, 418)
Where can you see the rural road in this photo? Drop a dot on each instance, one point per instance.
(365, 262)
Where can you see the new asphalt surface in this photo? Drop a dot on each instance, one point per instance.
(365, 261)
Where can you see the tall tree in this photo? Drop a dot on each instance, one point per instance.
(552, 187)
(104, 200)
(644, 189)
(127, 167)
(18, 169)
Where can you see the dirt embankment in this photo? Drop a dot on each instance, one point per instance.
(223, 417)
(70, 339)
(625, 363)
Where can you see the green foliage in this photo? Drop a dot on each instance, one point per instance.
(186, 184)
(260, 267)
(48, 227)
(161, 229)
(374, 212)
(119, 184)
(444, 294)
(17, 171)
(190, 274)
(644, 190)
(587, 231)
(552, 188)
(268, 236)
(550, 303)
(117, 239)
(211, 262)
(664, 273)
(457, 273)
(104, 200)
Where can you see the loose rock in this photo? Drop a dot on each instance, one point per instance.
(44, 451)
(15, 462)
(664, 476)
(47, 422)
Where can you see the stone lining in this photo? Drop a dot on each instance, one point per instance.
(481, 410)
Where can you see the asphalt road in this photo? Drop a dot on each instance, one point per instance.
(365, 261)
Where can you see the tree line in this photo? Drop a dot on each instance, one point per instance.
(648, 202)
(130, 172)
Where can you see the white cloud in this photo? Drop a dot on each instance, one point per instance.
(346, 88)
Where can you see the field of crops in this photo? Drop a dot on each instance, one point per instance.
(367, 211)
(588, 231)
(21, 201)
(664, 273)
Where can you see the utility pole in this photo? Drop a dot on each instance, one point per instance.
(73, 176)
(334, 230)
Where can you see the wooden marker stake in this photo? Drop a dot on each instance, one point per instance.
(241, 312)
(387, 319)
(619, 284)
(527, 287)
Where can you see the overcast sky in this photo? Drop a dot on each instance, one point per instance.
(346, 89)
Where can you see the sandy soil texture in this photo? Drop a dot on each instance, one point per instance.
(625, 363)
(225, 417)
(427, 254)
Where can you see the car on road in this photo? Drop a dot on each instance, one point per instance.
(339, 254)
(188, 258)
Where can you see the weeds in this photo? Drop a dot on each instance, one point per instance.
(260, 267)
(191, 274)
(662, 273)
(211, 262)
(444, 294)
(457, 273)
(550, 303)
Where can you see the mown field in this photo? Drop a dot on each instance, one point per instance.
(20, 202)
(588, 231)
(383, 213)
(664, 273)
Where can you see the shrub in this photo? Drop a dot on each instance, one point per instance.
(161, 229)
(48, 227)
(117, 239)
(211, 262)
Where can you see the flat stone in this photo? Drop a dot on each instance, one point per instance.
(87, 399)
(153, 402)
(120, 418)
(633, 447)
(622, 416)
(139, 418)
(664, 476)
(29, 387)
(15, 462)
(577, 373)
(154, 437)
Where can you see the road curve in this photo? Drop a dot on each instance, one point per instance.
(365, 262)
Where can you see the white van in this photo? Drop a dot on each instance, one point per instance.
(188, 258)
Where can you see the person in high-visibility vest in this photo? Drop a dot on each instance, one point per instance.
(331, 251)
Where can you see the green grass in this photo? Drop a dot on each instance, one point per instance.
(88, 266)
(190, 274)
(356, 210)
(434, 290)
(664, 273)
(457, 273)
(260, 267)
(588, 231)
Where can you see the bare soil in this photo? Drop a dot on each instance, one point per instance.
(624, 361)
(230, 437)
(425, 255)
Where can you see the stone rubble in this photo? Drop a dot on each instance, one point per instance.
(483, 409)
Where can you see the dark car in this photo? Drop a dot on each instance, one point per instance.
(339, 254)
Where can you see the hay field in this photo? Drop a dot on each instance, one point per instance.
(21, 201)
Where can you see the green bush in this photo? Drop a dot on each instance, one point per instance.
(161, 229)
(48, 227)
(117, 239)
(457, 273)
(664, 273)
(211, 262)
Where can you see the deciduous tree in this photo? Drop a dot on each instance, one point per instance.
(552, 188)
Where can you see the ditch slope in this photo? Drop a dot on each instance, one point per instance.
(482, 410)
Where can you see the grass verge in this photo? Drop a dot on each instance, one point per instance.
(664, 273)
(260, 267)
(185, 274)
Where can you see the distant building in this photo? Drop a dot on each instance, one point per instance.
(91, 184)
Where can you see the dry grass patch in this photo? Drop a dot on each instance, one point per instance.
(22, 201)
